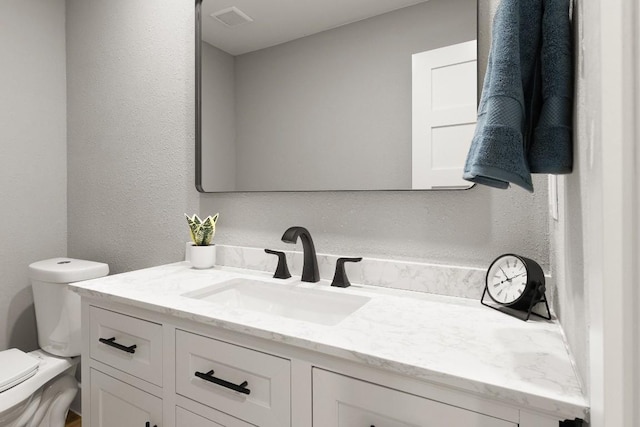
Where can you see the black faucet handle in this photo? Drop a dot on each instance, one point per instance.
(340, 278)
(282, 271)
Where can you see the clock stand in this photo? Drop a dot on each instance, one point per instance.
(539, 298)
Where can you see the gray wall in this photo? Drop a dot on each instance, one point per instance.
(469, 227)
(218, 119)
(131, 130)
(580, 203)
(333, 110)
(33, 179)
(131, 166)
(577, 192)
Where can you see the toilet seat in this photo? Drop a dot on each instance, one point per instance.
(15, 367)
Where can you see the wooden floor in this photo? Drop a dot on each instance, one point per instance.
(73, 420)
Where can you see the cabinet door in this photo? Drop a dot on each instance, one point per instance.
(186, 418)
(117, 404)
(346, 402)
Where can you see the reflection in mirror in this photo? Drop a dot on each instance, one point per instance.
(334, 94)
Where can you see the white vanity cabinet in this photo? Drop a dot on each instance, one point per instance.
(339, 400)
(142, 367)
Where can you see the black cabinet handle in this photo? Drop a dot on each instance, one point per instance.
(240, 388)
(148, 424)
(282, 271)
(111, 342)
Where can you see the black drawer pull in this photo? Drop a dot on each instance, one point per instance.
(148, 424)
(111, 342)
(242, 388)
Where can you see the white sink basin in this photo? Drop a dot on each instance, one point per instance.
(286, 300)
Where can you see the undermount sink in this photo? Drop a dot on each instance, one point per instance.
(286, 300)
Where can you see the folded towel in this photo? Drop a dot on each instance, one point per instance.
(516, 133)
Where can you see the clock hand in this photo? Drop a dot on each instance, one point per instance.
(508, 279)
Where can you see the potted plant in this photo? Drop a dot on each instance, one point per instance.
(202, 253)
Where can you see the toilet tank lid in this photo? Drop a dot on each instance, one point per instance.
(66, 270)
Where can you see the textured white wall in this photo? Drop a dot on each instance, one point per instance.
(131, 130)
(131, 165)
(469, 227)
(33, 179)
(465, 227)
(578, 194)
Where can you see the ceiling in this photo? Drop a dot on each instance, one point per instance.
(280, 21)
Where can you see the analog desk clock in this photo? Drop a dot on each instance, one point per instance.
(517, 283)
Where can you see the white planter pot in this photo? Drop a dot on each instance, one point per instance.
(201, 256)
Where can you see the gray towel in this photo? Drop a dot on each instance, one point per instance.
(526, 97)
(551, 148)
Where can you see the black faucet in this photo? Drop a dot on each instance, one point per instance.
(310, 267)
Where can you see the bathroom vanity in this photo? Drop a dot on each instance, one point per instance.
(173, 346)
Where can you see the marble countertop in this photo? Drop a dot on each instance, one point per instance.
(445, 340)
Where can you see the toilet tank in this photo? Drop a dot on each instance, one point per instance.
(58, 308)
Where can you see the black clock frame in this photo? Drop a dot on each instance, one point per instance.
(532, 295)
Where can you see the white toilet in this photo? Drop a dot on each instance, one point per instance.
(37, 388)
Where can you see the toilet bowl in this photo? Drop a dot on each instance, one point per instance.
(41, 396)
(37, 388)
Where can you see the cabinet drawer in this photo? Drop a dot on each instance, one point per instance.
(265, 398)
(113, 337)
(344, 401)
(117, 404)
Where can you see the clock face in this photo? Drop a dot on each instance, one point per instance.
(506, 279)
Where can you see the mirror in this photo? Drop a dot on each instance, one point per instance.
(310, 95)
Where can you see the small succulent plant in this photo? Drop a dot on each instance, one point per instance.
(202, 231)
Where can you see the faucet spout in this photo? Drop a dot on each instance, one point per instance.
(310, 266)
